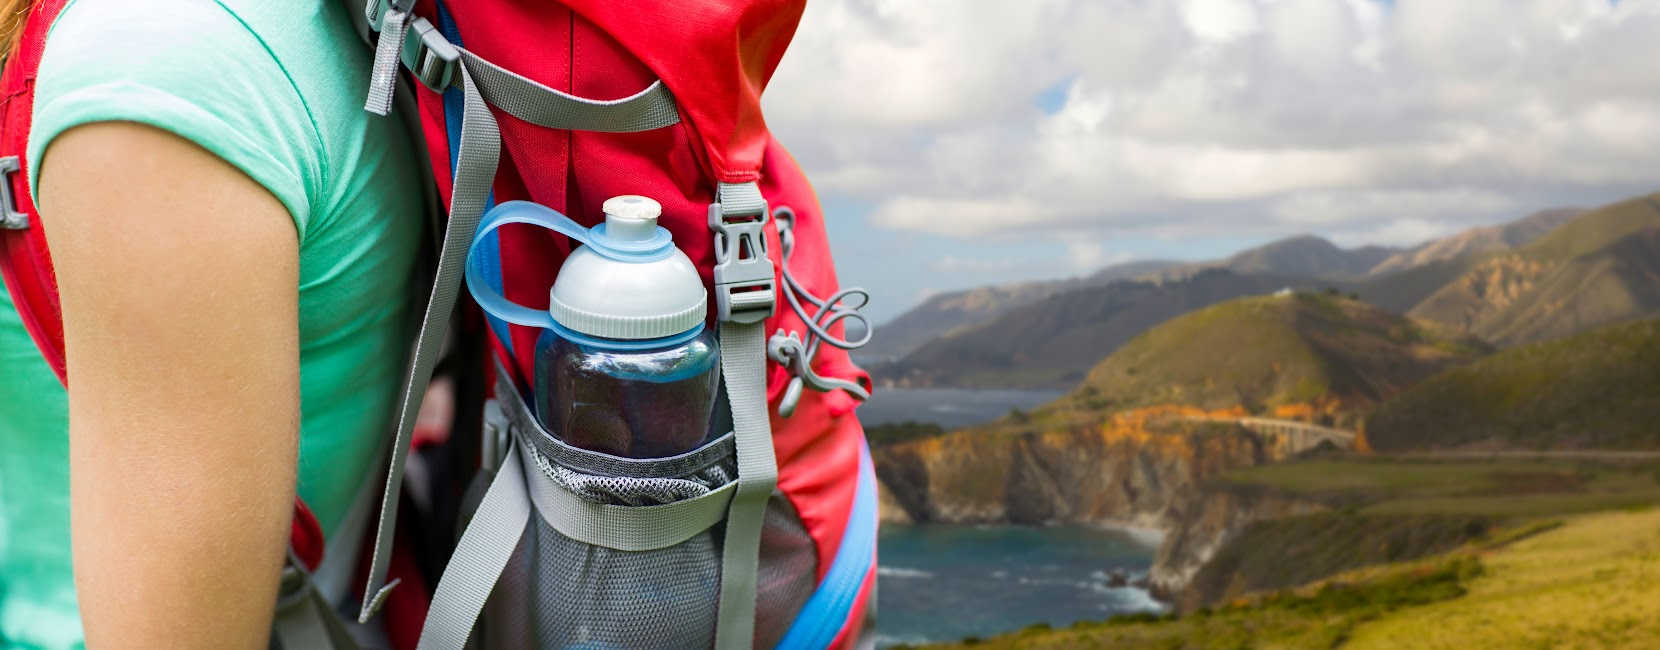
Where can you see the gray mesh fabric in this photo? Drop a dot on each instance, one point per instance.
(789, 566)
(594, 597)
(635, 491)
(558, 592)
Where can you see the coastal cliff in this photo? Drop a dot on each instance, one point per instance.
(1130, 471)
(1141, 439)
(1145, 468)
(1200, 527)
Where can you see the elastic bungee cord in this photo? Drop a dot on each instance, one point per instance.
(788, 349)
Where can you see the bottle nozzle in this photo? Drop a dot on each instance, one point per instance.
(631, 217)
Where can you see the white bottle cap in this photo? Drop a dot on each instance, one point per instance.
(631, 217)
(621, 295)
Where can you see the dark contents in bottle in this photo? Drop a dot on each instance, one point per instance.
(636, 404)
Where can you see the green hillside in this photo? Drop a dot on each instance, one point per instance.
(1599, 389)
(1595, 229)
(1598, 268)
(1618, 282)
(1053, 342)
(1270, 351)
(1399, 291)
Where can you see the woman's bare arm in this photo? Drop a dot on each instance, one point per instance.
(178, 277)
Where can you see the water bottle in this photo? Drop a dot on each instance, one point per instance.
(624, 364)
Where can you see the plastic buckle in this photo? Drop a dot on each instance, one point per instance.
(745, 291)
(10, 217)
(293, 587)
(374, 11)
(430, 56)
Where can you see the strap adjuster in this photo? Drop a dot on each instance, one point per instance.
(429, 56)
(10, 217)
(374, 11)
(294, 585)
(745, 291)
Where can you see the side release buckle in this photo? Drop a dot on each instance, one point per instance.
(429, 56)
(745, 291)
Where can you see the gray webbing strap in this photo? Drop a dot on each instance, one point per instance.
(304, 617)
(741, 199)
(743, 362)
(652, 108)
(479, 559)
(620, 527)
(383, 74)
(744, 297)
(475, 169)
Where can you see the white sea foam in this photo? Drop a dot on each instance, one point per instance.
(901, 572)
(886, 640)
(1144, 535)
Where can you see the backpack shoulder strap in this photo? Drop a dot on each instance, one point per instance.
(24, 261)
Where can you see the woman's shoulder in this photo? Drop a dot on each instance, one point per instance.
(265, 85)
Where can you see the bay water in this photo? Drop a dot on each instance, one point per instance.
(946, 583)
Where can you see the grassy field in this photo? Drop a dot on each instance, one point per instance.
(1505, 553)
(1591, 582)
(1500, 488)
(1594, 583)
(1591, 390)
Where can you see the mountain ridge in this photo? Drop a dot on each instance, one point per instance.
(1478, 240)
(1054, 341)
(953, 310)
(1304, 255)
(1596, 268)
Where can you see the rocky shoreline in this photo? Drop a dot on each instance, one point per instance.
(1124, 474)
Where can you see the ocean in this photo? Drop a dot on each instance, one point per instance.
(945, 583)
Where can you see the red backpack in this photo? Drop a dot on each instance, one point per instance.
(501, 92)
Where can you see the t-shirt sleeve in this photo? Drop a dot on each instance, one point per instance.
(198, 72)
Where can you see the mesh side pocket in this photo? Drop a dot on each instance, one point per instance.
(593, 597)
(788, 571)
(559, 592)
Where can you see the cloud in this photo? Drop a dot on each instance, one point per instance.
(1353, 118)
(1083, 256)
(957, 264)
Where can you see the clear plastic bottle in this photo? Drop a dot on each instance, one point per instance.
(624, 364)
(645, 403)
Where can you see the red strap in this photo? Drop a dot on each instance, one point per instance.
(24, 262)
(305, 536)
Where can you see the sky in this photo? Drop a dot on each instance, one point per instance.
(958, 143)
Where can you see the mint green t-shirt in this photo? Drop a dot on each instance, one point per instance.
(276, 89)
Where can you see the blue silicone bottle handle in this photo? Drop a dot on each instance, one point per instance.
(515, 212)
